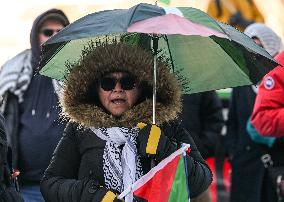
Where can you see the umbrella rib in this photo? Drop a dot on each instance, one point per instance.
(218, 23)
(171, 57)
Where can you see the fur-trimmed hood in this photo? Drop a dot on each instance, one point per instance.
(115, 57)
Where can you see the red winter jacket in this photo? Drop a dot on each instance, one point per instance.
(268, 112)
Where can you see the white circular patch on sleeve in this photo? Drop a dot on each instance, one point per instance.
(269, 83)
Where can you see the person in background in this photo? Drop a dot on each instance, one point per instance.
(8, 190)
(30, 107)
(238, 13)
(202, 117)
(268, 112)
(245, 154)
(268, 121)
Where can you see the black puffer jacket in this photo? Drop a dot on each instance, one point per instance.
(76, 169)
(77, 166)
(8, 192)
(202, 116)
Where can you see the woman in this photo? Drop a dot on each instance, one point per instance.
(106, 94)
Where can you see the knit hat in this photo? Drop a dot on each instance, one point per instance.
(270, 40)
(54, 16)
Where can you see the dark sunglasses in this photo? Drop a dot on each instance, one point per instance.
(126, 83)
(49, 32)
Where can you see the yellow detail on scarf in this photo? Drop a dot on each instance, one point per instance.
(109, 197)
(141, 125)
(153, 140)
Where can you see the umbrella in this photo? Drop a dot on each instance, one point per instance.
(205, 54)
(201, 48)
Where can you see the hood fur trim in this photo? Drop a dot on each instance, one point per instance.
(119, 57)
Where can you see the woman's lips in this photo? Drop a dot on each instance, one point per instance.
(118, 101)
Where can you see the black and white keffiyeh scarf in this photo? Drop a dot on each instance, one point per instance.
(16, 75)
(121, 163)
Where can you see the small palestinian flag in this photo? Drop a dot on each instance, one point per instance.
(165, 182)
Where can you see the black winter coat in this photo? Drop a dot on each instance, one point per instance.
(249, 177)
(8, 191)
(77, 166)
(246, 154)
(12, 114)
(202, 116)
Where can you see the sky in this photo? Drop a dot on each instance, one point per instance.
(16, 21)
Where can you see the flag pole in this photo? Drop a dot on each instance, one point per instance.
(155, 39)
(124, 193)
(155, 49)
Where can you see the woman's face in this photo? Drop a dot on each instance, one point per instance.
(118, 92)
